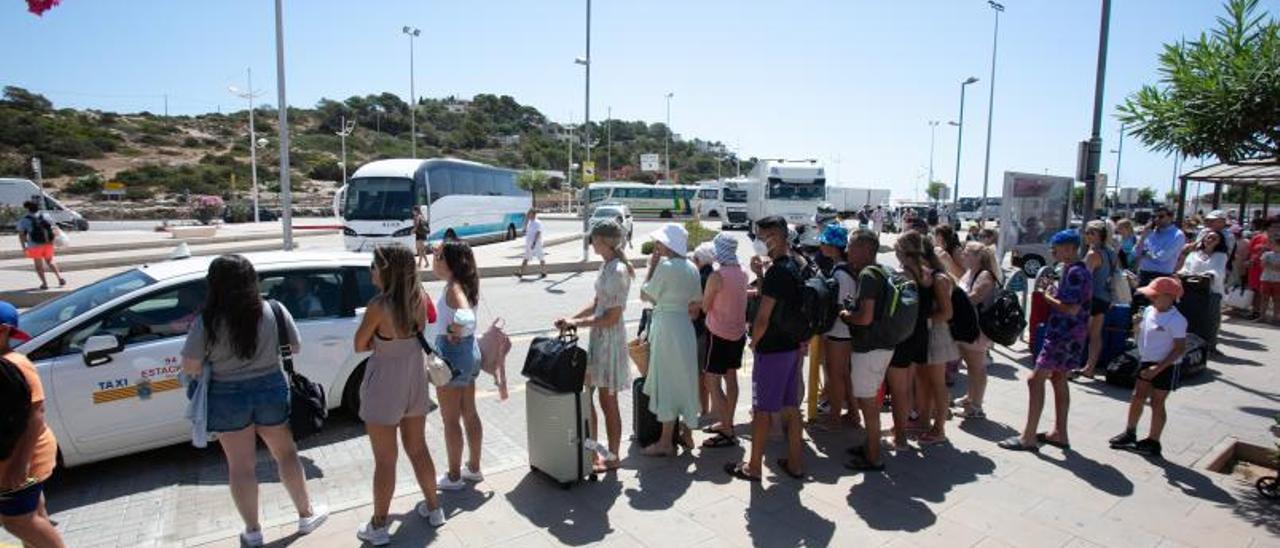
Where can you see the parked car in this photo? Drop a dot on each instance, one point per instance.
(617, 212)
(108, 353)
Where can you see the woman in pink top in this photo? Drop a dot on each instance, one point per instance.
(725, 302)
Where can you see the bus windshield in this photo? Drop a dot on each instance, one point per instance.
(375, 198)
(781, 190)
(735, 196)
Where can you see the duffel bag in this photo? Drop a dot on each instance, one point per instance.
(557, 362)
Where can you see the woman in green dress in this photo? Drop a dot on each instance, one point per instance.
(674, 288)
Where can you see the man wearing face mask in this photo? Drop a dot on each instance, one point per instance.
(777, 334)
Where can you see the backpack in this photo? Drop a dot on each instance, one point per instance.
(41, 229)
(964, 317)
(1004, 320)
(800, 325)
(895, 316)
(15, 406)
(820, 300)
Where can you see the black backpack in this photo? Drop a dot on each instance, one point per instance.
(41, 229)
(964, 317)
(895, 315)
(820, 300)
(15, 406)
(799, 325)
(1003, 321)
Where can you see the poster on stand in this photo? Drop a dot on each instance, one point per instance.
(1034, 207)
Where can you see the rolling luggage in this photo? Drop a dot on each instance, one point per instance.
(645, 428)
(1201, 307)
(557, 432)
(1117, 325)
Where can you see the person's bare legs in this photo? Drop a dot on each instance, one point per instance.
(413, 434)
(612, 422)
(836, 362)
(871, 418)
(473, 427)
(665, 446)
(760, 422)
(935, 381)
(920, 397)
(1061, 407)
(704, 395)
(1158, 413)
(382, 439)
(731, 396)
(451, 414)
(34, 529)
(719, 403)
(56, 273)
(240, 448)
(280, 443)
(1095, 344)
(975, 359)
(795, 440)
(44, 284)
(900, 389)
(1035, 405)
(1141, 391)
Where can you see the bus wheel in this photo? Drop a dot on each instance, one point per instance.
(450, 234)
(666, 214)
(511, 232)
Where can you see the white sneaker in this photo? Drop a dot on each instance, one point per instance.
(446, 484)
(310, 523)
(473, 477)
(434, 517)
(377, 536)
(252, 539)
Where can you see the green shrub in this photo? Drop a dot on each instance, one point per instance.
(697, 235)
(190, 142)
(86, 184)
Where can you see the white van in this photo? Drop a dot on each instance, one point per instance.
(13, 192)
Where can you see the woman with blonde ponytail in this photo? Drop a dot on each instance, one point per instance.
(393, 395)
(608, 368)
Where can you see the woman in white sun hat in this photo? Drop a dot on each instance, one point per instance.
(674, 288)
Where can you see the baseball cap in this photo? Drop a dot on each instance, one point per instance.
(1065, 237)
(1164, 285)
(834, 235)
(1215, 215)
(9, 317)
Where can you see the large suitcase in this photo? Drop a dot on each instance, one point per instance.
(1117, 325)
(645, 427)
(557, 432)
(1201, 307)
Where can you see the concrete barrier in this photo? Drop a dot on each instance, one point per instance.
(184, 232)
(84, 249)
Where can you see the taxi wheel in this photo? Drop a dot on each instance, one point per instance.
(351, 392)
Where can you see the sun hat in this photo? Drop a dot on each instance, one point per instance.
(1215, 215)
(9, 317)
(705, 253)
(834, 235)
(1164, 285)
(726, 248)
(674, 236)
(1065, 237)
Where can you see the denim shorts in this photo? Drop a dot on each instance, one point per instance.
(260, 401)
(21, 502)
(464, 356)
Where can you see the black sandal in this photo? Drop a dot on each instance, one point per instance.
(739, 470)
(1015, 444)
(786, 469)
(1043, 437)
(720, 440)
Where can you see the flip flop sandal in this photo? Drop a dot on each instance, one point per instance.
(1015, 444)
(1043, 437)
(739, 470)
(606, 467)
(720, 440)
(786, 469)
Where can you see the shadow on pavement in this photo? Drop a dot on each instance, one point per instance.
(1103, 477)
(1243, 344)
(894, 500)
(777, 517)
(1193, 483)
(1232, 360)
(987, 430)
(1257, 510)
(1259, 411)
(557, 511)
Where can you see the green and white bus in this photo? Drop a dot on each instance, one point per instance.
(644, 200)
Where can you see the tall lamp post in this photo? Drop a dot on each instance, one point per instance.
(412, 32)
(1119, 152)
(347, 128)
(997, 8)
(286, 193)
(250, 94)
(955, 185)
(933, 131)
(668, 143)
(586, 128)
(608, 131)
(1095, 136)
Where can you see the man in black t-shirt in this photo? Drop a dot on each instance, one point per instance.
(776, 338)
(869, 362)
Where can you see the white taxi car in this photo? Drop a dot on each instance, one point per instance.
(108, 354)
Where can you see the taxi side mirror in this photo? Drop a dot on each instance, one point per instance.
(99, 348)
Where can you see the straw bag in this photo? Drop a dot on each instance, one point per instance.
(638, 348)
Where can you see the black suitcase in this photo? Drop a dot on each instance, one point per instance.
(1201, 307)
(1123, 369)
(557, 363)
(645, 427)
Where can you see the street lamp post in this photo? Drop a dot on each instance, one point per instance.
(1119, 152)
(997, 8)
(933, 130)
(282, 105)
(955, 185)
(668, 142)
(608, 131)
(250, 94)
(347, 128)
(586, 128)
(1095, 136)
(412, 32)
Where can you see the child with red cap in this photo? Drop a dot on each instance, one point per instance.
(1162, 338)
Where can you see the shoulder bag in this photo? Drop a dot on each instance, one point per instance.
(308, 408)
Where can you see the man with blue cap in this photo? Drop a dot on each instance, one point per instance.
(837, 342)
(28, 449)
(1065, 333)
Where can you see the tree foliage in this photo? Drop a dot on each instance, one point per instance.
(533, 182)
(1219, 94)
(935, 189)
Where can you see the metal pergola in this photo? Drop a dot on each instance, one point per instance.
(1263, 172)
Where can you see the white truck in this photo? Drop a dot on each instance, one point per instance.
(848, 200)
(14, 192)
(792, 189)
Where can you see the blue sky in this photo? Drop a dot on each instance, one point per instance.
(851, 82)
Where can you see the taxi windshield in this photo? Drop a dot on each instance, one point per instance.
(49, 314)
